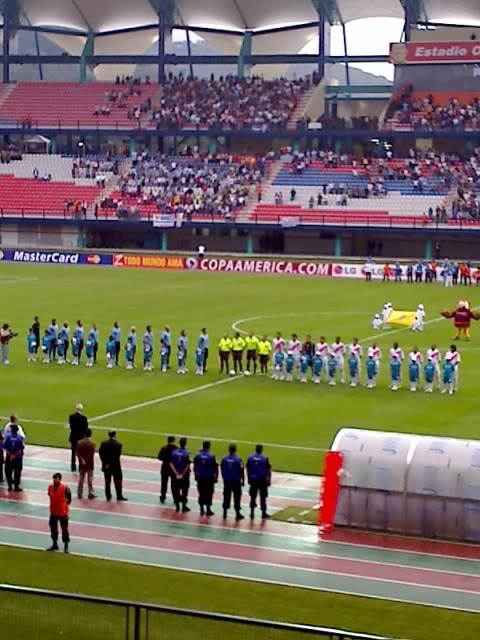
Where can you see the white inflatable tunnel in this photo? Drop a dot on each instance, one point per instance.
(416, 485)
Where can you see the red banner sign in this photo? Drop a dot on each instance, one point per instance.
(244, 265)
(149, 262)
(435, 52)
(330, 490)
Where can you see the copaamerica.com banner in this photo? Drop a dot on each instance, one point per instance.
(254, 265)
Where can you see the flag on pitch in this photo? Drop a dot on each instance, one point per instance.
(402, 318)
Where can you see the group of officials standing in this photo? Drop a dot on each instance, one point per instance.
(176, 468)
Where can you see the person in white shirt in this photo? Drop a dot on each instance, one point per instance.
(454, 357)
(355, 349)
(396, 352)
(419, 321)
(415, 356)
(386, 313)
(201, 251)
(375, 352)
(367, 270)
(338, 350)
(295, 346)
(377, 322)
(435, 356)
(278, 343)
(322, 350)
(8, 428)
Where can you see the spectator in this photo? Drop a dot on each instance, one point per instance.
(78, 424)
(14, 448)
(86, 461)
(8, 428)
(165, 456)
(110, 453)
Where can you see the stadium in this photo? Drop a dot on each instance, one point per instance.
(238, 278)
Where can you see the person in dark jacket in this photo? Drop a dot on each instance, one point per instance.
(110, 453)
(78, 424)
(165, 456)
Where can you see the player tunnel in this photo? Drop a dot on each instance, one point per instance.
(415, 485)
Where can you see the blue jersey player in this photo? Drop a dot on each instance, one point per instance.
(61, 342)
(111, 351)
(147, 353)
(304, 364)
(448, 377)
(75, 351)
(413, 375)
(32, 346)
(353, 370)
(129, 352)
(289, 366)
(371, 368)
(278, 365)
(317, 364)
(395, 373)
(46, 345)
(429, 373)
(199, 360)
(164, 353)
(332, 370)
(90, 350)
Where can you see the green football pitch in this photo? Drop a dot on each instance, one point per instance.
(296, 422)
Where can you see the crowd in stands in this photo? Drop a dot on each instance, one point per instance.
(228, 103)
(214, 185)
(9, 153)
(426, 114)
(117, 98)
(94, 169)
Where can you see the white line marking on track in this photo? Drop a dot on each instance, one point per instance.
(173, 396)
(164, 433)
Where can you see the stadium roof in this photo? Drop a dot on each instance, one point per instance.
(106, 15)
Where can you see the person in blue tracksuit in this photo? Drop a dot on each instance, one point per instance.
(129, 352)
(289, 366)
(46, 343)
(332, 370)
(233, 475)
(371, 368)
(180, 467)
(317, 367)
(32, 346)
(414, 375)
(111, 351)
(205, 469)
(395, 373)
(90, 350)
(259, 474)
(353, 370)
(304, 365)
(61, 344)
(163, 358)
(278, 365)
(199, 362)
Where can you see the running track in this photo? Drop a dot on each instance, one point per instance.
(145, 532)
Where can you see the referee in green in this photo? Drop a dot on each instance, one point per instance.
(251, 345)
(238, 346)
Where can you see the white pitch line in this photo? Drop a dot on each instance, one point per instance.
(195, 436)
(236, 324)
(173, 396)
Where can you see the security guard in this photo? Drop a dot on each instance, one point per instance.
(264, 351)
(205, 467)
(165, 456)
(238, 345)
(224, 348)
(180, 467)
(110, 453)
(233, 474)
(251, 344)
(259, 473)
(60, 498)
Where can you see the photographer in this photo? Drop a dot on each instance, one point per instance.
(6, 334)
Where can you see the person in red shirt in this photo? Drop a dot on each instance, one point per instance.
(60, 499)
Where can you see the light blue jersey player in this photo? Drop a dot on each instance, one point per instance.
(199, 359)
(353, 370)
(61, 346)
(413, 374)
(278, 365)
(303, 368)
(289, 366)
(46, 345)
(332, 370)
(395, 373)
(317, 364)
(31, 346)
(75, 351)
(129, 352)
(448, 377)
(371, 369)
(147, 355)
(164, 352)
(110, 351)
(90, 350)
(429, 373)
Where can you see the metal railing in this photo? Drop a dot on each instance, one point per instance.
(39, 613)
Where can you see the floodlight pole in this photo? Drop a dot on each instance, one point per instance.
(322, 22)
(189, 51)
(6, 46)
(162, 27)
